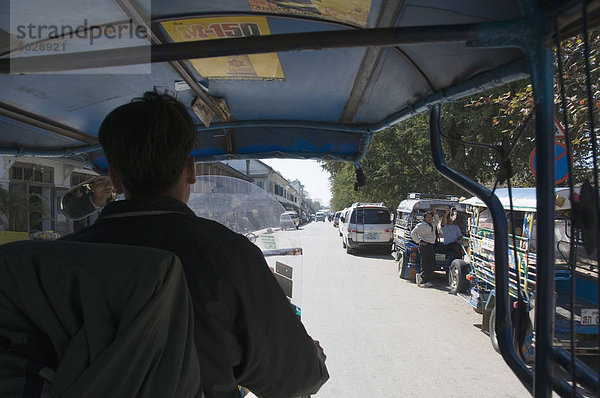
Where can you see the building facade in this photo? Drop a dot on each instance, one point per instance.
(32, 189)
(290, 194)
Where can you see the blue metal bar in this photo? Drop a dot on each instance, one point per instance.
(364, 131)
(503, 321)
(286, 123)
(583, 374)
(540, 56)
(61, 152)
(346, 38)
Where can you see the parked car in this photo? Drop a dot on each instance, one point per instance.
(367, 225)
(336, 219)
(289, 220)
(408, 214)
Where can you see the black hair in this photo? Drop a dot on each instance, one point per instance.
(147, 142)
(428, 212)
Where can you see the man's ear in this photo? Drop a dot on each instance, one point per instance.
(190, 171)
(118, 187)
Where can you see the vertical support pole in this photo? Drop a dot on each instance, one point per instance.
(503, 321)
(543, 90)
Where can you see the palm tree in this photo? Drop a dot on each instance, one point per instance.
(16, 208)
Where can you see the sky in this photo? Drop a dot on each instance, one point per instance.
(309, 173)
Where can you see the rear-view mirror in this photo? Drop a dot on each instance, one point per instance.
(87, 198)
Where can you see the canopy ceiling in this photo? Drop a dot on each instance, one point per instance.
(341, 71)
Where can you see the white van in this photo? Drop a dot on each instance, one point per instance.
(289, 220)
(367, 225)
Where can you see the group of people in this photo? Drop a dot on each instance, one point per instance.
(427, 235)
(245, 331)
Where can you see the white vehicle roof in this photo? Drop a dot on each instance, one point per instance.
(524, 199)
(408, 205)
(361, 204)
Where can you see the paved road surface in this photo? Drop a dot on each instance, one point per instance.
(384, 337)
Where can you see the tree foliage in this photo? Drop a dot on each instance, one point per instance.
(399, 158)
(398, 162)
(313, 205)
(515, 104)
(16, 207)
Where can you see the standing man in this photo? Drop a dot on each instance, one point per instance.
(424, 235)
(245, 330)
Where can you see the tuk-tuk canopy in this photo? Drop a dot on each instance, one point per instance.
(408, 205)
(262, 78)
(305, 79)
(524, 199)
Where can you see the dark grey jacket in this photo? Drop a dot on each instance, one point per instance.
(245, 330)
(82, 320)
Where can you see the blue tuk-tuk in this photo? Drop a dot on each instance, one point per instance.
(474, 277)
(409, 213)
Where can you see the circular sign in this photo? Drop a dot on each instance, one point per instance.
(561, 165)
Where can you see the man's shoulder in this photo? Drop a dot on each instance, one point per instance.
(418, 226)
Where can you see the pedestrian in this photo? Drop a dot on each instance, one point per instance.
(245, 331)
(424, 234)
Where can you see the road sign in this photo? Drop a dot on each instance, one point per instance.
(559, 131)
(561, 165)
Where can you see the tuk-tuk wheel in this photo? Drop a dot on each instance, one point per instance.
(492, 329)
(457, 280)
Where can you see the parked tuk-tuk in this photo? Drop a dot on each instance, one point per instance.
(473, 278)
(408, 214)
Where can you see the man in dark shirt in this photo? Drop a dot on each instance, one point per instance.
(245, 331)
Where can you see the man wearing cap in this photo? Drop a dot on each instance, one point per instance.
(424, 234)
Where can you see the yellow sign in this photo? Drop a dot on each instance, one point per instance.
(12, 236)
(239, 67)
(352, 12)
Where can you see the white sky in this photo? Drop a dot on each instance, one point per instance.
(309, 173)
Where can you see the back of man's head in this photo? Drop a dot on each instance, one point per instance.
(147, 143)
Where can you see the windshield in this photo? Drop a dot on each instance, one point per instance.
(371, 216)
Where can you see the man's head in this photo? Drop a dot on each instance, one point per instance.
(428, 217)
(452, 215)
(147, 144)
(102, 190)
